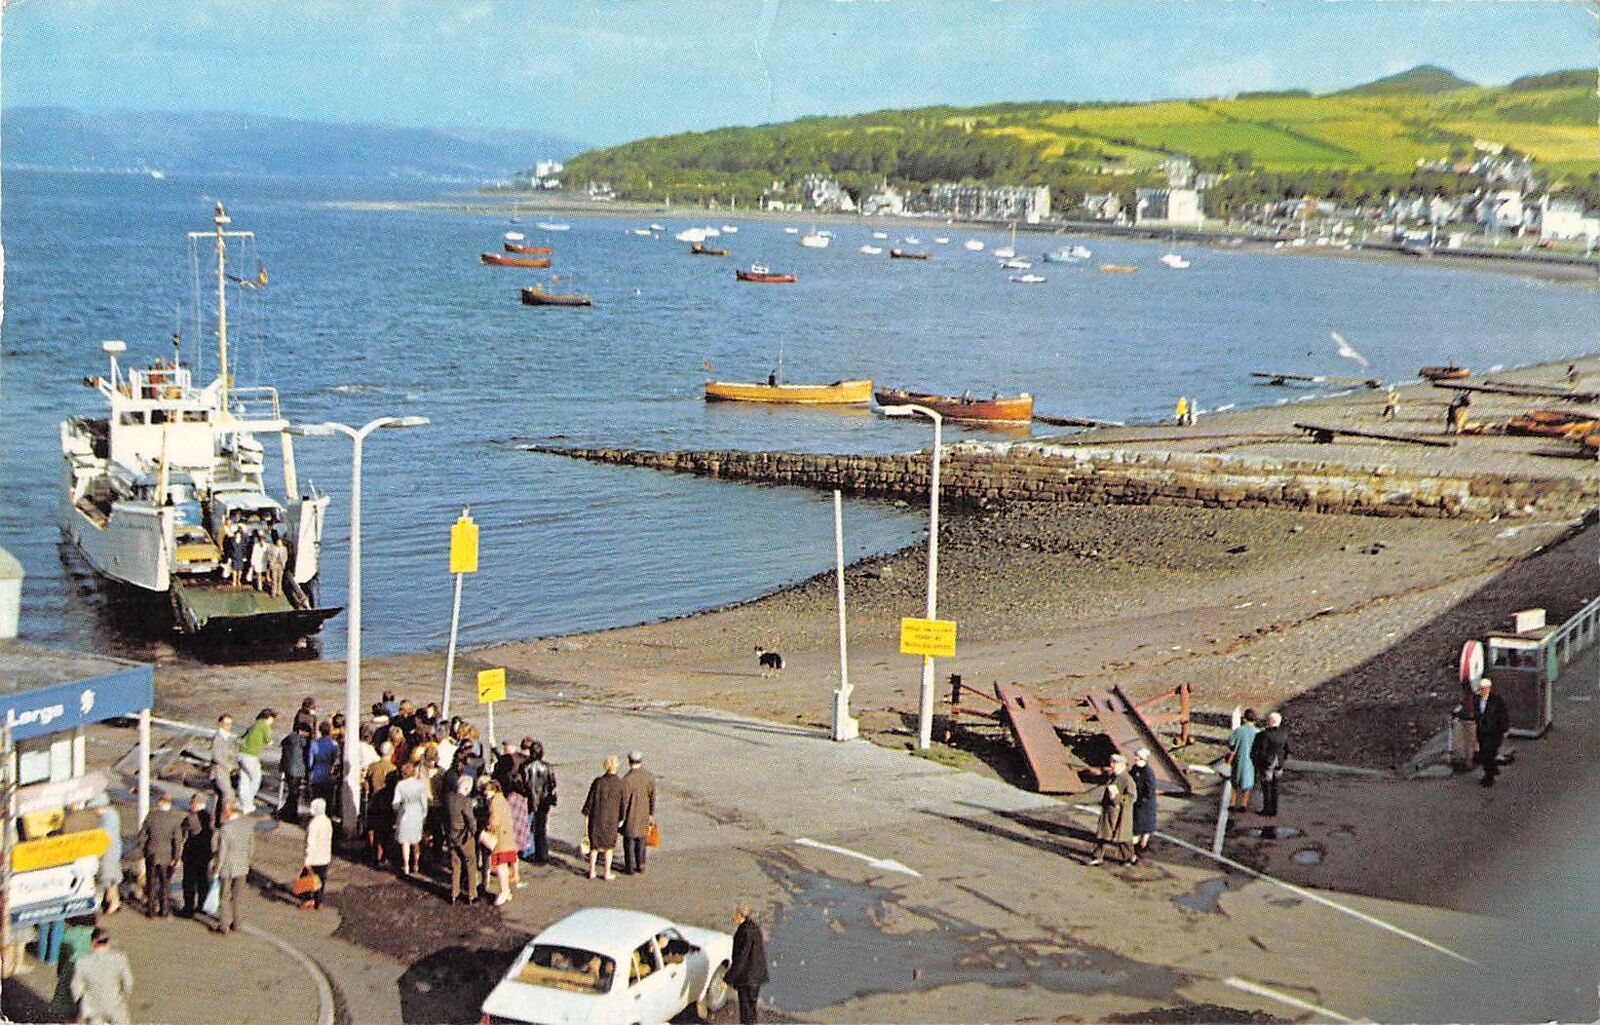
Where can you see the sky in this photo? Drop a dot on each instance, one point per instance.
(607, 71)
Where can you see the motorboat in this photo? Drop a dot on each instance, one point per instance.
(1174, 261)
(1006, 409)
(973, 244)
(760, 274)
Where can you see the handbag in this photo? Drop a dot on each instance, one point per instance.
(652, 835)
(488, 839)
(213, 898)
(306, 883)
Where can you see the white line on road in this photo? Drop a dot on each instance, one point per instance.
(318, 977)
(886, 864)
(1307, 894)
(1284, 998)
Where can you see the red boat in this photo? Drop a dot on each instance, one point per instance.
(762, 275)
(496, 260)
(512, 247)
(998, 409)
(906, 254)
(699, 249)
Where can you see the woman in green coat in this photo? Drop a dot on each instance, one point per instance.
(1116, 814)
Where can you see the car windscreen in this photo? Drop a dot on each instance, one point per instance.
(568, 968)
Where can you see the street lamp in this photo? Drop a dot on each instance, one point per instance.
(352, 657)
(925, 698)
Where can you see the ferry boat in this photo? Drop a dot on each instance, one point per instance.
(152, 487)
(1002, 409)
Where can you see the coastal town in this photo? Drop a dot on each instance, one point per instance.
(689, 579)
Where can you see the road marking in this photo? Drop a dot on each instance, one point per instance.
(1272, 994)
(1307, 894)
(318, 977)
(886, 864)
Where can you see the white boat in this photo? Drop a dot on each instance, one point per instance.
(973, 244)
(553, 226)
(730, 229)
(880, 234)
(641, 232)
(791, 231)
(657, 227)
(1067, 254)
(872, 250)
(515, 236)
(153, 487)
(1174, 261)
(941, 239)
(710, 232)
(1016, 264)
(1006, 252)
(1028, 279)
(691, 235)
(912, 240)
(814, 240)
(158, 175)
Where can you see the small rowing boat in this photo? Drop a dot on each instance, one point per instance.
(762, 276)
(1118, 268)
(839, 393)
(534, 295)
(496, 260)
(699, 249)
(906, 254)
(1000, 409)
(512, 247)
(1444, 372)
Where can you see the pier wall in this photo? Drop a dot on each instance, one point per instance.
(979, 474)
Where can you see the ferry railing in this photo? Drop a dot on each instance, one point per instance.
(256, 403)
(1576, 634)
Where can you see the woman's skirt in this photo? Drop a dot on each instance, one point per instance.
(520, 826)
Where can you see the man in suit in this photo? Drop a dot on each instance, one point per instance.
(197, 841)
(638, 812)
(235, 847)
(1269, 752)
(461, 839)
(747, 972)
(160, 843)
(1493, 722)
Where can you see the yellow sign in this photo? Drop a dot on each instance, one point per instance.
(59, 850)
(491, 686)
(464, 545)
(936, 637)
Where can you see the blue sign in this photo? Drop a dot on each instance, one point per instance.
(51, 910)
(38, 713)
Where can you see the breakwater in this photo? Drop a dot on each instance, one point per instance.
(981, 474)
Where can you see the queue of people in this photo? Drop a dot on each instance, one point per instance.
(254, 554)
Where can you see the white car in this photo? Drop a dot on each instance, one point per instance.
(606, 965)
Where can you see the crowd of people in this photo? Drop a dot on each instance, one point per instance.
(254, 554)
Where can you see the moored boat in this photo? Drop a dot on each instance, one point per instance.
(535, 295)
(762, 276)
(839, 393)
(1068, 254)
(167, 491)
(872, 250)
(513, 247)
(1118, 268)
(700, 249)
(1174, 261)
(1002, 409)
(906, 254)
(1444, 372)
(553, 226)
(1027, 279)
(1016, 263)
(496, 260)
(975, 245)
(815, 239)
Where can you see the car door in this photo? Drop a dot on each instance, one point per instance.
(681, 967)
(651, 989)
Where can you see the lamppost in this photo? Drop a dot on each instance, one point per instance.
(925, 698)
(352, 657)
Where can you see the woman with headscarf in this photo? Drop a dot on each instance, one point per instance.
(1241, 767)
(1116, 815)
(602, 814)
(1144, 802)
(319, 851)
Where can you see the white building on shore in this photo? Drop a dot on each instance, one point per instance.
(1175, 207)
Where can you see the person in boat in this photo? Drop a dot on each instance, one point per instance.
(234, 551)
(258, 558)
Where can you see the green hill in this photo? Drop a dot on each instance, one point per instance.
(1363, 139)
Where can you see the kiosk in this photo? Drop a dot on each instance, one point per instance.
(1523, 664)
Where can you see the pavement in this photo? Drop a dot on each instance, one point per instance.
(894, 888)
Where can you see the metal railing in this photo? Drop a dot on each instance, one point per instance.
(1576, 634)
(258, 403)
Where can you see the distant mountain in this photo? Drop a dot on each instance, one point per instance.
(1422, 80)
(54, 137)
(1581, 78)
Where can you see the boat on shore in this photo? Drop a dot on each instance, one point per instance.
(839, 393)
(906, 254)
(1444, 372)
(154, 489)
(514, 247)
(760, 275)
(535, 295)
(496, 260)
(997, 409)
(701, 249)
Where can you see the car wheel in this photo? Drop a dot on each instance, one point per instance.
(715, 997)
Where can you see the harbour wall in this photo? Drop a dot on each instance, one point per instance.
(981, 474)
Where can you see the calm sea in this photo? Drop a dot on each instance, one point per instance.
(377, 313)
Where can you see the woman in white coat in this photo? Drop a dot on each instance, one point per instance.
(319, 851)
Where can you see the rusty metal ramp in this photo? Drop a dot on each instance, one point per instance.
(1128, 730)
(1053, 767)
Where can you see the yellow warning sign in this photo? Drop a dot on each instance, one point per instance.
(935, 637)
(464, 545)
(59, 850)
(491, 686)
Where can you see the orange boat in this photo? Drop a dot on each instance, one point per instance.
(763, 276)
(700, 249)
(512, 247)
(997, 409)
(496, 260)
(906, 254)
(1554, 423)
(1445, 372)
(1118, 268)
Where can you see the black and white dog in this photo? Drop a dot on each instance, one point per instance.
(770, 661)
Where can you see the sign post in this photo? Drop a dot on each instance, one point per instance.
(463, 560)
(930, 638)
(491, 688)
(845, 726)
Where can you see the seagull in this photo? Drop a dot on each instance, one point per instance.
(1345, 350)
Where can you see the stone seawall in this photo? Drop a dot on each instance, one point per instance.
(978, 474)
